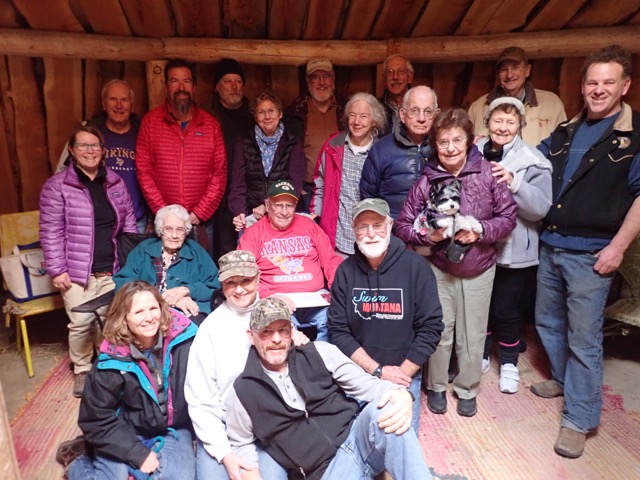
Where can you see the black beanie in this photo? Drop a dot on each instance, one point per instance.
(227, 65)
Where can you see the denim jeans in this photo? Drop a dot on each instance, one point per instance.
(368, 451)
(569, 317)
(208, 468)
(315, 316)
(177, 462)
(414, 388)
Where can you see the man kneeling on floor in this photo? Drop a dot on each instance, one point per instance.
(301, 403)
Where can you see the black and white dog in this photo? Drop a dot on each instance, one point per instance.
(443, 211)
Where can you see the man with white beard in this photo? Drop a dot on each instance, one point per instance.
(385, 313)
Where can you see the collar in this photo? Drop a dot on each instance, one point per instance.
(530, 98)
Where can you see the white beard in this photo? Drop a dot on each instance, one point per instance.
(374, 250)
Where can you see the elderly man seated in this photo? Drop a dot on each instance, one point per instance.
(294, 256)
(182, 270)
(301, 403)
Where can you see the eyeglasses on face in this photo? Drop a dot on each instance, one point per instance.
(178, 231)
(272, 112)
(363, 228)
(456, 142)
(85, 147)
(401, 72)
(282, 207)
(415, 112)
(268, 333)
(316, 77)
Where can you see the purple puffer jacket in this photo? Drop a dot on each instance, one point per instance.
(66, 223)
(482, 198)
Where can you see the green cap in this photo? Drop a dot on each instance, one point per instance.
(370, 204)
(267, 311)
(282, 187)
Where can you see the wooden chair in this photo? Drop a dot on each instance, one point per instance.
(623, 316)
(23, 229)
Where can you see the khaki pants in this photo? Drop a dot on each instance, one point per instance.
(84, 334)
(465, 309)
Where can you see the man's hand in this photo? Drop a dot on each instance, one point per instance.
(150, 464)
(398, 418)
(239, 222)
(259, 211)
(396, 375)
(609, 259)
(194, 219)
(298, 337)
(234, 464)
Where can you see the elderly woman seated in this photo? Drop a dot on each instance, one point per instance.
(181, 269)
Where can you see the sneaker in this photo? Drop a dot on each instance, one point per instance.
(78, 384)
(509, 378)
(437, 401)
(467, 407)
(70, 450)
(486, 365)
(570, 443)
(547, 389)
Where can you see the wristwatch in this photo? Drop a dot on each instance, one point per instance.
(378, 371)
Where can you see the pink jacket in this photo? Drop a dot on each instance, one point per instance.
(66, 223)
(187, 167)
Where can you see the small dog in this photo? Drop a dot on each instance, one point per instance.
(442, 208)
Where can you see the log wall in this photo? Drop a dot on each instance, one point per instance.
(43, 99)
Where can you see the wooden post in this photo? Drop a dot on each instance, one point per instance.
(155, 82)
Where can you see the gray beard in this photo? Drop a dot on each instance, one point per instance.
(374, 251)
(182, 106)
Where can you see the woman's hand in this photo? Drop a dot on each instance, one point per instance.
(173, 295)
(259, 211)
(239, 222)
(466, 237)
(62, 281)
(150, 464)
(501, 173)
(438, 235)
(188, 306)
(298, 337)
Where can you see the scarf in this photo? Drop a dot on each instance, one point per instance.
(268, 146)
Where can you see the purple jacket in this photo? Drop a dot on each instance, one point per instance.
(481, 197)
(66, 223)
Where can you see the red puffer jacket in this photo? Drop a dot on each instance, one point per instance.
(187, 167)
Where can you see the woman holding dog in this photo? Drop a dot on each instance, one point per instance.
(527, 174)
(464, 276)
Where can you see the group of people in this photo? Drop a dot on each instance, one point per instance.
(426, 226)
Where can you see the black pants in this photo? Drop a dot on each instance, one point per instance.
(225, 238)
(505, 320)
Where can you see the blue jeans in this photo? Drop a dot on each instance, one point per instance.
(414, 388)
(177, 462)
(208, 468)
(569, 317)
(368, 450)
(315, 316)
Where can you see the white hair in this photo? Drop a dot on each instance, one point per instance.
(175, 209)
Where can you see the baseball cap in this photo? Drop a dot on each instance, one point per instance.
(515, 54)
(267, 311)
(319, 64)
(237, 263)
(370, 204)
(282, 187)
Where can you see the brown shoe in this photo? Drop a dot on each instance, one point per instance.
(78, 384)
(70, 450)
(570, 443)
(547, 389)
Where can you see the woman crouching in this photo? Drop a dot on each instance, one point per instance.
(133, 413)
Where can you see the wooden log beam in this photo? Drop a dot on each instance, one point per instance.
(458, 48)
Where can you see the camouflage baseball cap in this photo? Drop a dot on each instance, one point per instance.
(370, 204)
(237, 263)
(266, 312)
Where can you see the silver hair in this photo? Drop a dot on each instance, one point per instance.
(407, 96)
(175, 209)
(113, 81)
(508, 105)
(396, 55)
(378, 113)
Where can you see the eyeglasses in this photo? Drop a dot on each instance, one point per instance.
(263, 113)
(267, 333)
(363, 229)
(415, 112)
(401, 72)
(84, 147)
(281, 207)
(316, 77)
(178, 231)
(456, 142)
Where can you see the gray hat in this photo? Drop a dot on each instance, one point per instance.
(370, 204)
(509, 101)
(267, 311)
(237, 263)
(319, 64)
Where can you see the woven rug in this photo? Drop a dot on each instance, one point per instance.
(512, 436)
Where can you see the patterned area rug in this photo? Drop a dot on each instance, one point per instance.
(512, 436)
